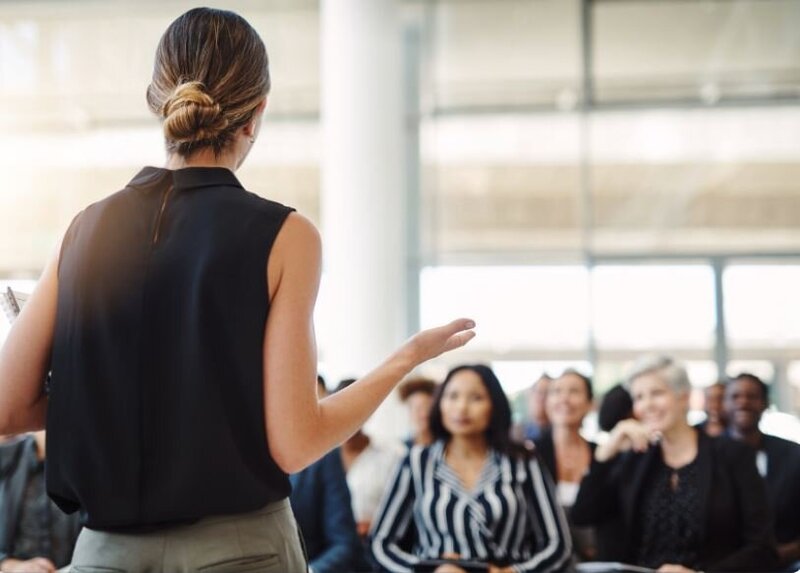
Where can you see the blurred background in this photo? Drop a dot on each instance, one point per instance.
(589, 180)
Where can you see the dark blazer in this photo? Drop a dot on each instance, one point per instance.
(321, 504)
(783, 486)
(737, 534)
(609, 534)
(546, 452)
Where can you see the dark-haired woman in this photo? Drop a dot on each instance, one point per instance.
(177, 321)
(564, 452)
(471, 495)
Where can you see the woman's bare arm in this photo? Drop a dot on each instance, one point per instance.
(25, 358)
(301, 428)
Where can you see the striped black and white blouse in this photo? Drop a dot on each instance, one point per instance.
(511, 518)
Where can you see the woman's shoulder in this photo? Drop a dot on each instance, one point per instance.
(521, 458)
(419, 457)
(299, 228)
(425, 452)
(265, 205)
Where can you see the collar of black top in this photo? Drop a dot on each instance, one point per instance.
(187, 178)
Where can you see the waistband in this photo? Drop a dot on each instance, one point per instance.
(268, 509)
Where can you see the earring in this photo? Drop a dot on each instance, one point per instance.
(252, 140)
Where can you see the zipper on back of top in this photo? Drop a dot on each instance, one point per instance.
(160, 217)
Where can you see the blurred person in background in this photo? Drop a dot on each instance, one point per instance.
(368, 466)
(564, 452)
(715, 422)
(176, 317)
(777, 460)
(473, 495)
(536, 414)
(321, 503)
(688, 501)
(615, 406)
(417, 395)
(35, 535)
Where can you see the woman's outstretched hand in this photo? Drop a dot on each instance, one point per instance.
(428, 344)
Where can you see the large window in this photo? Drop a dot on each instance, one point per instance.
(762, 305)
(649, 307)
(534, 319)
(515, 307)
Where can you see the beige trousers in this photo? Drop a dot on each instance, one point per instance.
(263, 541)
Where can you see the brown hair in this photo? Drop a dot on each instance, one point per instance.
(414, 385)
(211, 72)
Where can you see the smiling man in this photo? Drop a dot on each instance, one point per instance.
(778, 460)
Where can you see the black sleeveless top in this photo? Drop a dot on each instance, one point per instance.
(156, 404)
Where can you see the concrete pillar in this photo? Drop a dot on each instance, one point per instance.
(363, 203)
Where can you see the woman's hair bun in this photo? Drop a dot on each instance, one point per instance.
(191, 115)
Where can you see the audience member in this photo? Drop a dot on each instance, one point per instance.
(536, 420)
(35, 535)
(321, 504)
(563, 450)
(778, 460)
(369, 467)
(714, 424)
(688, 501)
(615, 407)
(417, 394)
(472, 495)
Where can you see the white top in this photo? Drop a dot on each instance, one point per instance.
(761, 462)
(566, 492)
(368, 478)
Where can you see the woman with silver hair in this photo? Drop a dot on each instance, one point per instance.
(687, 502)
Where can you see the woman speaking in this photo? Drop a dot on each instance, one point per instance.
(176, 319)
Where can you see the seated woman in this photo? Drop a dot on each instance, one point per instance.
(471, 495)
(687, 501)
(564, 452)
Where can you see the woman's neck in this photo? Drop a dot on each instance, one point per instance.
(203, 158)
(679, 444)
(423, 438)
(567, 435)
(468, 447)
(573, 455)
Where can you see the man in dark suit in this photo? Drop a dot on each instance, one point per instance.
(321, 504)
(778, 460)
